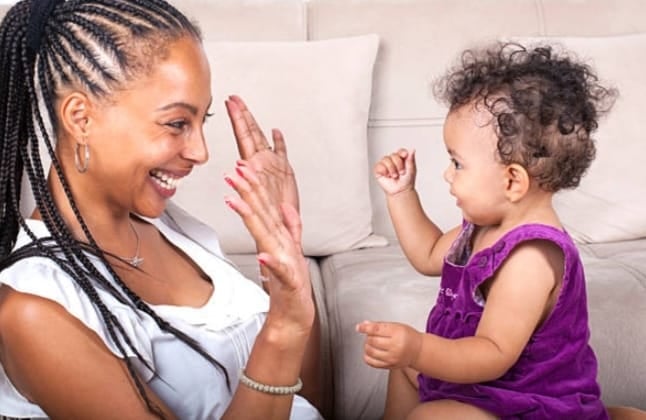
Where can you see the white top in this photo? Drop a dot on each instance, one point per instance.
(226, 326)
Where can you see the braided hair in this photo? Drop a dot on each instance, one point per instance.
(47, 46)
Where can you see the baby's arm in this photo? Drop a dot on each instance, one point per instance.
(517, 302)
(421, 240)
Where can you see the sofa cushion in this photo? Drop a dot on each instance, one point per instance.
(370, 284)
(318, 94)
(609, 204)
(379, 284)
(616, 288)
(229, 20)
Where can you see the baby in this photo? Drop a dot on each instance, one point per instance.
(508, 335)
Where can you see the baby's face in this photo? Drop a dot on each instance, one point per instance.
(475, 174)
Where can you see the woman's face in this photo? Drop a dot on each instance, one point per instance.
(149, 136)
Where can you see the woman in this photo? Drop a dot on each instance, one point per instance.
(113, 302)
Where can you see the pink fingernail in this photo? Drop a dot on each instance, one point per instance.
(229, 203)
(262, 261)
(239, 171)
(229, 181)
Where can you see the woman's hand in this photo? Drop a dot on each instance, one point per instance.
(260, 155)
(396, 172)
(390, 345)
(276, 228)
(279, 348)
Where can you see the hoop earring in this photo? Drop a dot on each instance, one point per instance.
(86, 158)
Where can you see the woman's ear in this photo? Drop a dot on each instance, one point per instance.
(75, 115)
(517, 182)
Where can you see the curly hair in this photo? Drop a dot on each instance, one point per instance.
(545, 105)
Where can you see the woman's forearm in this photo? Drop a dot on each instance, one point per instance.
(276, 359)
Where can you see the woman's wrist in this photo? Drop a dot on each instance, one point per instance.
(270, 389)
(286, 334)
(277, 355)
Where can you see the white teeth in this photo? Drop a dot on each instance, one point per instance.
(164, 180)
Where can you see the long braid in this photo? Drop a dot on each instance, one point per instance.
(83, 46)
(134, 298)
(12, 209)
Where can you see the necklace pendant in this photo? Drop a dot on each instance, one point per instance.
(135, 261)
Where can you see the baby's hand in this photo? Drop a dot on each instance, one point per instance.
(396, 172)
(390, 345)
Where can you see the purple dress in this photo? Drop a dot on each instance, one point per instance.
(555, 375)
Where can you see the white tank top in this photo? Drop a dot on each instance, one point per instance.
(225, 326)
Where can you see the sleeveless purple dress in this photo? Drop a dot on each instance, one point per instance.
(555, 375)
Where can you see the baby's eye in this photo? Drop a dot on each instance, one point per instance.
(456, 164)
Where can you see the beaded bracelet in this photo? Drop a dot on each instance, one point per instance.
(270, 389)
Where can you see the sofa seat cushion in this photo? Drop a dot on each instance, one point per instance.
(379, 284)
(368, 284)
(616, 288)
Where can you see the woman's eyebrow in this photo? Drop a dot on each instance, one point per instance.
(191, 108)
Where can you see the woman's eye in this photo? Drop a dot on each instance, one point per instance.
(207, 116)
(178, 125)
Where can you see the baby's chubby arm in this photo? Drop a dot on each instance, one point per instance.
(517, 302)
(421, 240)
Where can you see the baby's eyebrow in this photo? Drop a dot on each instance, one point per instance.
(453, 153)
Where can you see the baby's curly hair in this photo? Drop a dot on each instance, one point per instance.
(545, 106)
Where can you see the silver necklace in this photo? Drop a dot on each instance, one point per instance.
(136, 260)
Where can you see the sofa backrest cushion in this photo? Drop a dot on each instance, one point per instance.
(609, 205)
(318, 94)
(420, 39)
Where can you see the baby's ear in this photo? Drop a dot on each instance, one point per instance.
(517, 182)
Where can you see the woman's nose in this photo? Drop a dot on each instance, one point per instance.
(196, 149)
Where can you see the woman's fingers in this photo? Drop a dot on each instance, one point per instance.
(275, 228)
(257, 136)
(279, 267)
(279, 143)
(260, 214)
(244, 138)
(293, 223)
(261, 200)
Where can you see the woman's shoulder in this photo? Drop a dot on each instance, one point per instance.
(38, 285)
(41, 276)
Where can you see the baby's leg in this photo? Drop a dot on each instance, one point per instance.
(626, 413)
(402, 396)
(448, 410)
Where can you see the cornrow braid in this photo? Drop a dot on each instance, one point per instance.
(89, 45)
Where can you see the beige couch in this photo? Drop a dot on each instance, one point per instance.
(342, 104)
(418, 39)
